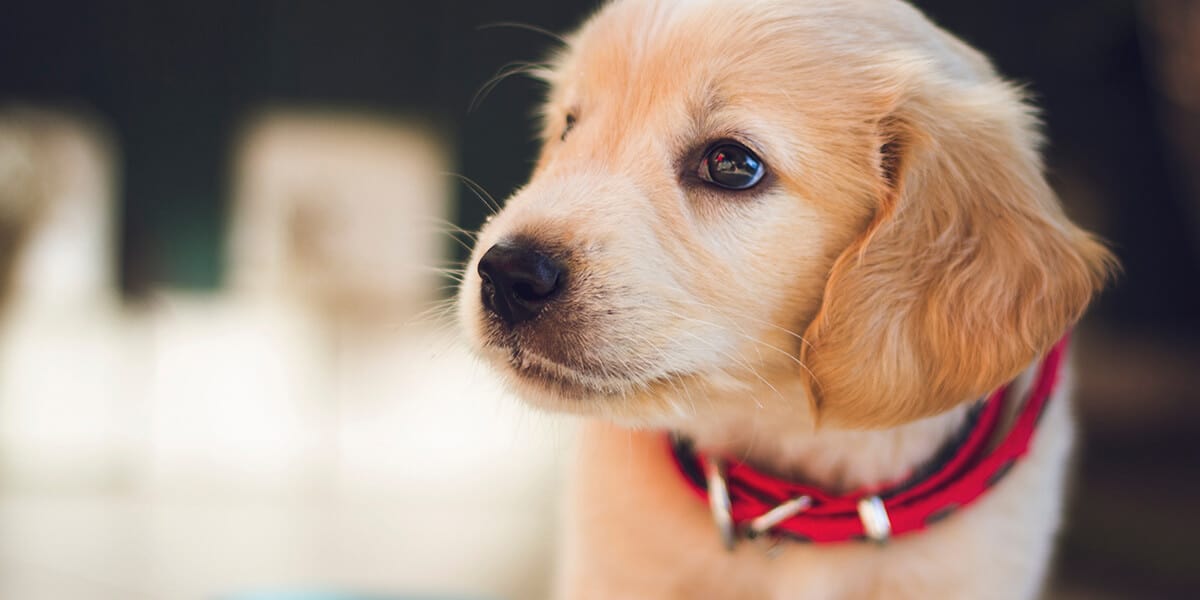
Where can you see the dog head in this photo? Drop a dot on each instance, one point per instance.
(835, 209)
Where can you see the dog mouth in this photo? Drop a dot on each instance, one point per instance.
(532, 367)
(540, 375)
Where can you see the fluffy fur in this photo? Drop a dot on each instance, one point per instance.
(903, 256)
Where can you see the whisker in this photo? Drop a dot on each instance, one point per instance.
(508, 70)
(450, 227)
(741, 333)
(437, 310)
(755, 340)
(525, 26)
(740, 362)
(482, 194)
(753, 319)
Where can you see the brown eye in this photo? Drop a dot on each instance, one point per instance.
(732, 167)
(570, 124)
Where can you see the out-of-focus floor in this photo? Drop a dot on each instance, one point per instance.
(130, 546)
(409, 471)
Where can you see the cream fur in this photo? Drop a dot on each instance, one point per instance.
(904, 255)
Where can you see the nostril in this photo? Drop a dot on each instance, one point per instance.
(535, 291)
(539, 281)
(525, 292)
(518, 281)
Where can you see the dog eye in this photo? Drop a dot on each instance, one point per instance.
(570, 124)
(732, 167)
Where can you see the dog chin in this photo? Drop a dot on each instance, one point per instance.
(548, 385)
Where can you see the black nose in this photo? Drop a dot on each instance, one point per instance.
(518, 281)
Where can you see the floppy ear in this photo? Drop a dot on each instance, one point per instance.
(968, 271)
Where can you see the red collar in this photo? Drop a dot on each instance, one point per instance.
(749, 503)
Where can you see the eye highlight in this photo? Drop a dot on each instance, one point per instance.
(731, 166)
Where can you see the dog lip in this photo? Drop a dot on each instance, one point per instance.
(531, 364)
(539, 369)
(536, 369)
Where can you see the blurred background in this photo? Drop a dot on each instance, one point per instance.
(225, 357)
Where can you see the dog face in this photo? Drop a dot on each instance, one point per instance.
(834, 210)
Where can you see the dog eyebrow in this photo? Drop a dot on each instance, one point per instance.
(710, 102)
(702, 108)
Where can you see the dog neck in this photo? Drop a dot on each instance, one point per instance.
(837, 460)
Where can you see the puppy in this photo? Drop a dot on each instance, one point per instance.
(814, 240)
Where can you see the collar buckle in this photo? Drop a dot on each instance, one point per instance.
(763, 523)
(875, 520)
(722, 508)
(719, 503)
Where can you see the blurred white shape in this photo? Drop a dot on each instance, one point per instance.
(235, 389)
(417, 404)
(70, 414)
(61, 167)
(68, 408)
(444, 469)
(417, 475)
(333, 235)
(340, 210)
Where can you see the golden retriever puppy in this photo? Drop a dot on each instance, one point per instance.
(789, 255)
